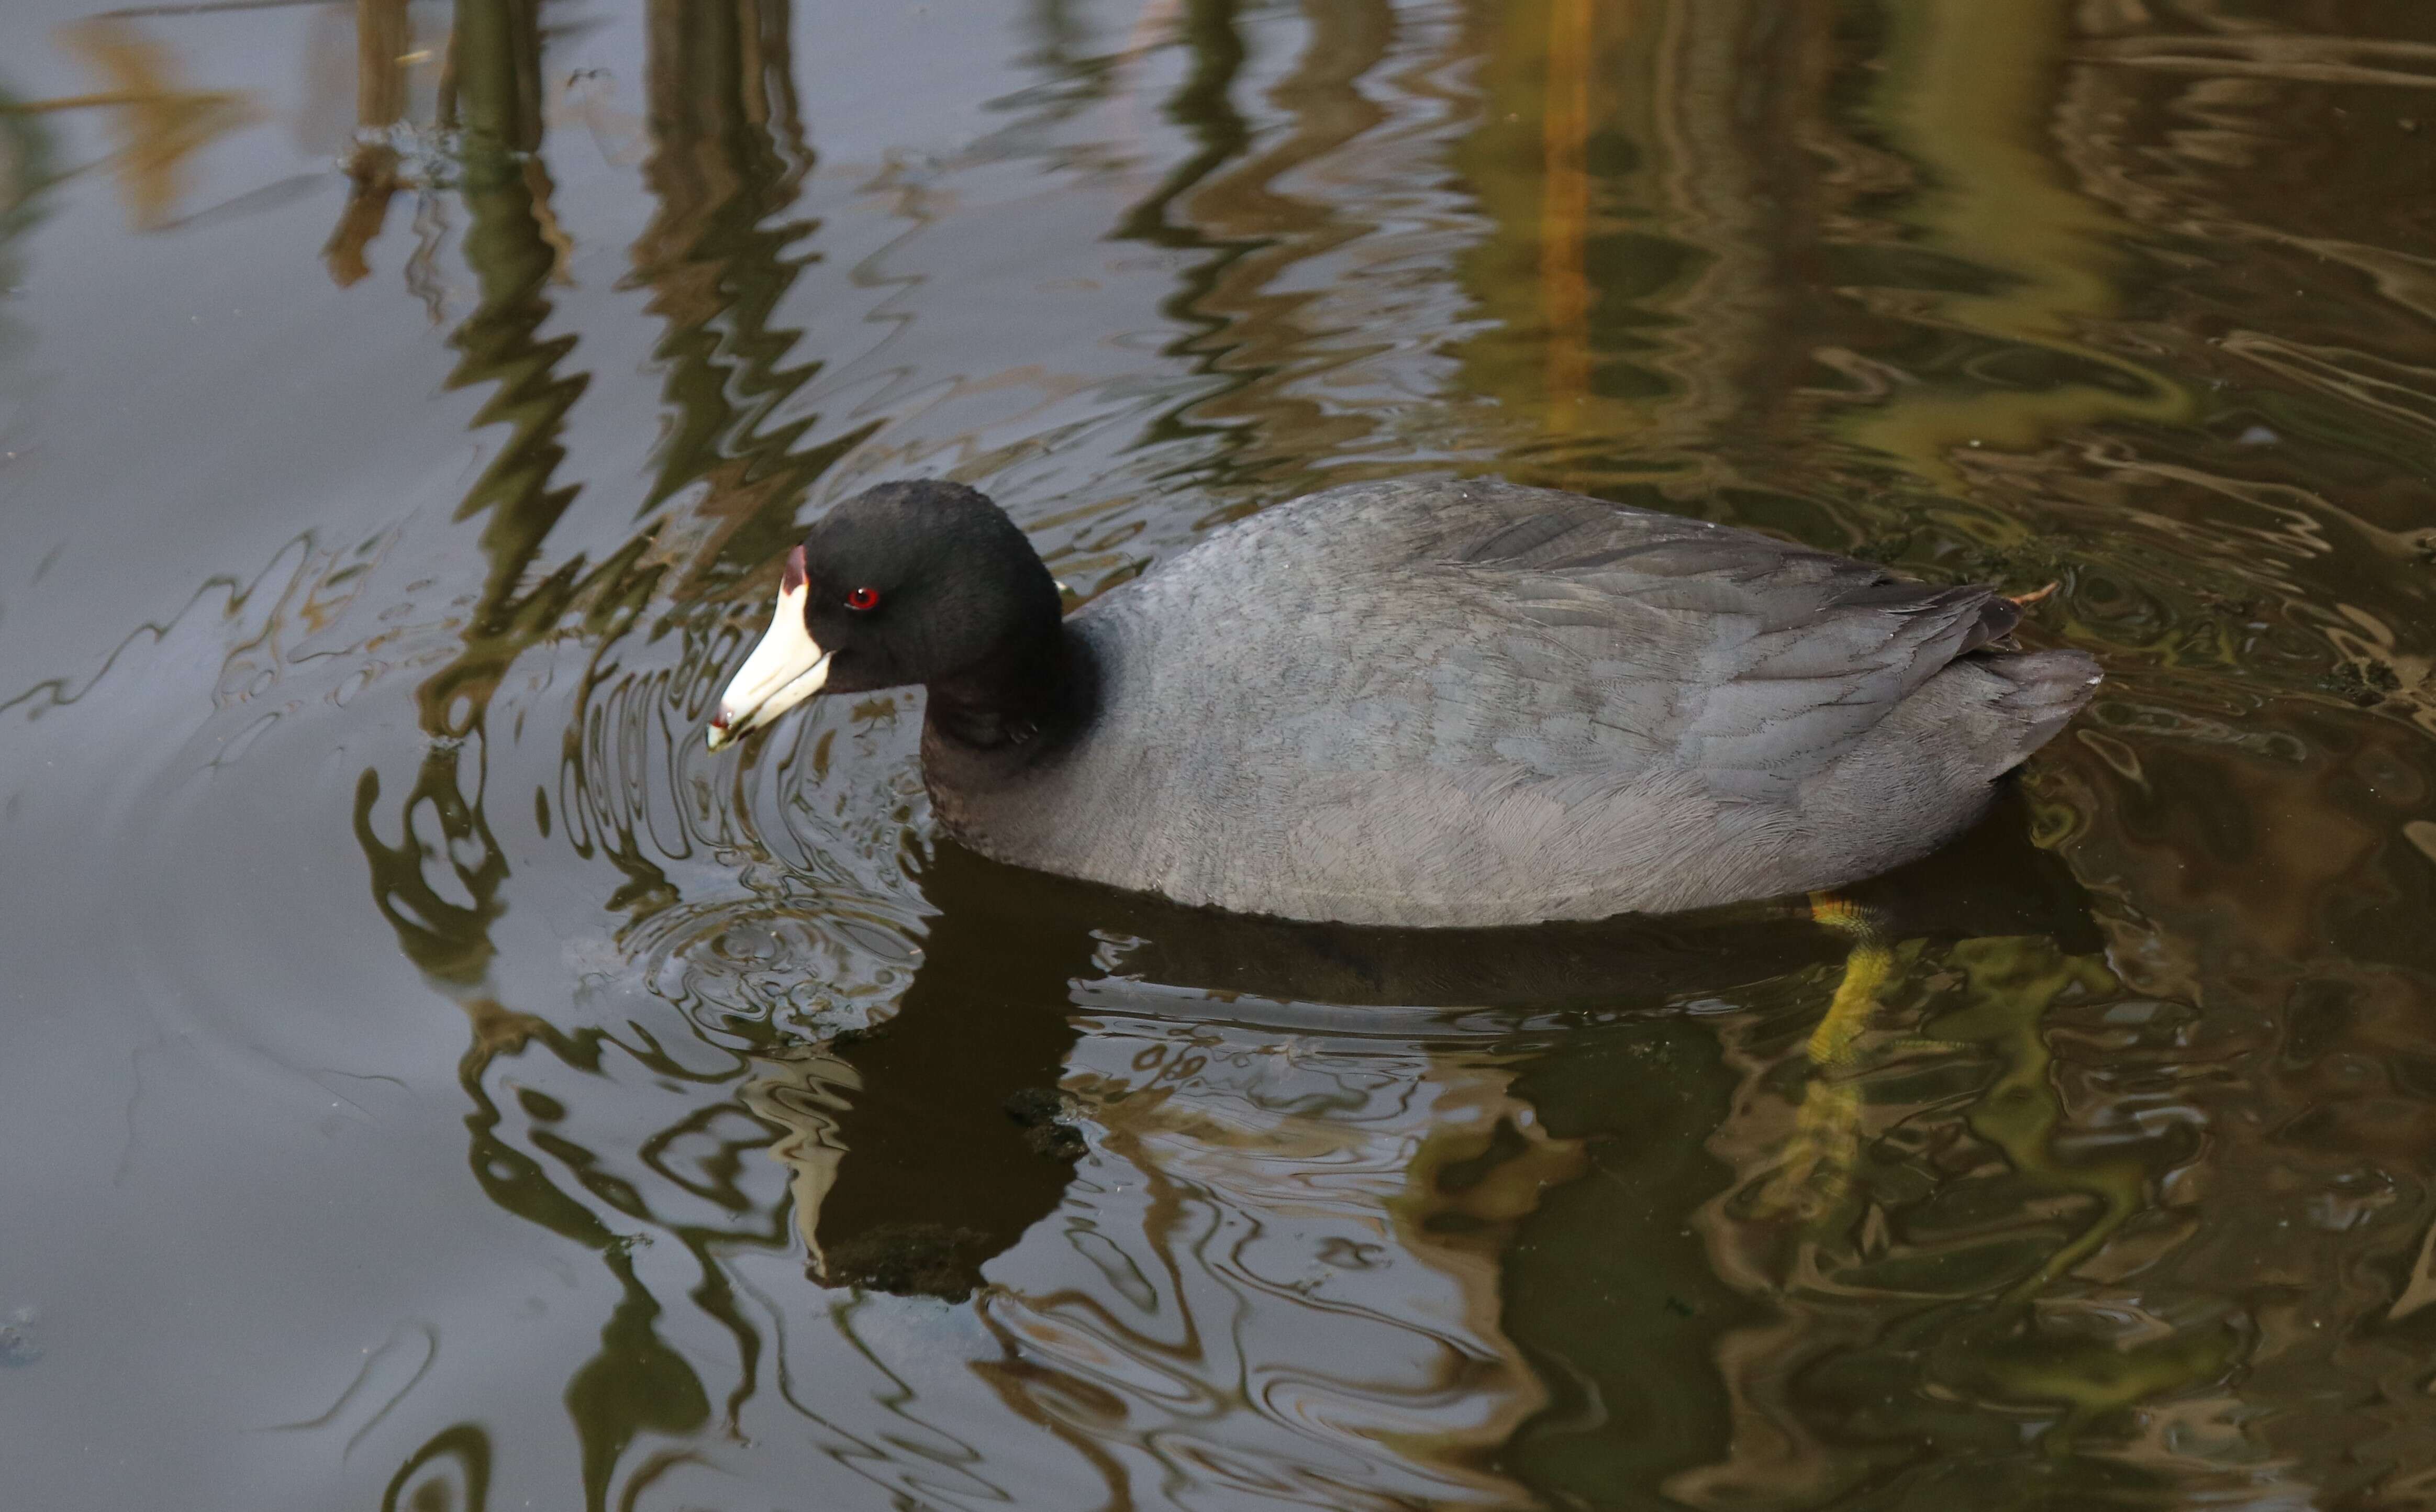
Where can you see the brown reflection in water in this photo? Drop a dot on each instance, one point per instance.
(384, 43)
(1640, 167)
(726, 164)
(1227, 204)
(27, 150)
(1633, 168)
(161, 122)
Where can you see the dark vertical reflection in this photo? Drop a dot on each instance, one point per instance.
(1260, 342)
(25, 167)
(727, 162)
(25, 170)
(1635, 1392)
(1261, 214)
(636, 1382)
(1205, 107)
(496, 51)
(952, 1134)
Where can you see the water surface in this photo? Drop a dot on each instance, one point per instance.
(432, 1081)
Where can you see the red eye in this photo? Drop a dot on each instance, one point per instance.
(862, 599)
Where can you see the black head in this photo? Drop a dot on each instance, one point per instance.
(911, 583)
(923, 583)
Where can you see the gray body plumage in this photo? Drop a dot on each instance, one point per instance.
(1469, 704)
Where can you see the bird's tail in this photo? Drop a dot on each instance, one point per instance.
(2043, 689)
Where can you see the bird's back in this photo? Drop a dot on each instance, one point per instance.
(1469, 702)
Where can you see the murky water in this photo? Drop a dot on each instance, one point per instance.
(431, 1081)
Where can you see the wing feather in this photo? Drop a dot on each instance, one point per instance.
(1752, 661)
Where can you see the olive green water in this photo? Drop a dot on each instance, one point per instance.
(430, 1080)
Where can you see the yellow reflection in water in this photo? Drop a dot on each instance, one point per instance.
(1820, 1154)
(1986, 1237)
(1564, 220)
(1968, 97)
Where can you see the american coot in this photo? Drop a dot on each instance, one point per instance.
(1421, 704)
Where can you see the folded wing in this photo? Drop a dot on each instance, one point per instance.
(1752, 662)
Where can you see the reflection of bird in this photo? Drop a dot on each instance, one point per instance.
(1422, 703)
(922, 1147)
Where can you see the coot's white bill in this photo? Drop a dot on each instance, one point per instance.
(786, 668)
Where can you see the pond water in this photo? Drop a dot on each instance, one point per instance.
(433, 1080)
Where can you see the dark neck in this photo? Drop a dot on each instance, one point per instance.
(1025, 700)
